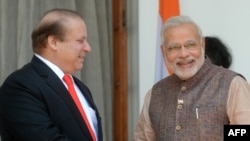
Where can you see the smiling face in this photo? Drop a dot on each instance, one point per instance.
(72, 50)
(183, 50)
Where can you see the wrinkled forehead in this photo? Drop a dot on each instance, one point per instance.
(182, 32)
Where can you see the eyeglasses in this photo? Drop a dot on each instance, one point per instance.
(175, 47)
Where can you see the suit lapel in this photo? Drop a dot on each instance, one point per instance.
(88, 96)
(86, 93)
(55, 83)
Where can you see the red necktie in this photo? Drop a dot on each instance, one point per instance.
(67, 79)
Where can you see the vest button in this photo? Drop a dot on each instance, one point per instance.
(179, 106)
(178, 127)
(183, 88)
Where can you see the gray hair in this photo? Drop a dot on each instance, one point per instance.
(176, 21)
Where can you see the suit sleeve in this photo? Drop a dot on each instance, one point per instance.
(25, 115)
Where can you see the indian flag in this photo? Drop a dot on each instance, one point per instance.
(167, 8)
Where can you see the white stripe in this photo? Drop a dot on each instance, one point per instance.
(160, 69)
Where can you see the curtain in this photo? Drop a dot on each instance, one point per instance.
(18, 18)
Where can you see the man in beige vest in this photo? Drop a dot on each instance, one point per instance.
(199, 98)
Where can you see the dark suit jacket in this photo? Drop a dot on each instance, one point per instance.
(36, 106)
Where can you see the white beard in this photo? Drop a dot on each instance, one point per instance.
(187, 74)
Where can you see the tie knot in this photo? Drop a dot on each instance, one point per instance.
(67, 79)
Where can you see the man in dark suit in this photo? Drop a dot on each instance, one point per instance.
(35, 104)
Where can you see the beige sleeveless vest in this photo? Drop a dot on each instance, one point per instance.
(192, 110)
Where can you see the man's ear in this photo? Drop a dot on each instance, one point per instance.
(52, 40)
(203, 42)
(162, 50)
(170, 72)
